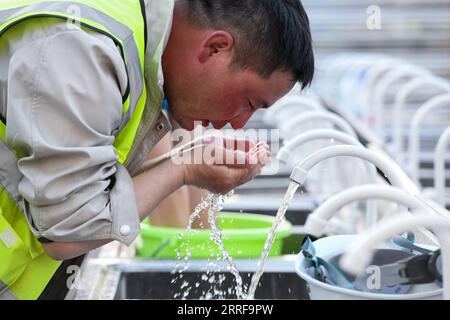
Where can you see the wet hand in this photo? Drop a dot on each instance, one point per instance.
(230, 163)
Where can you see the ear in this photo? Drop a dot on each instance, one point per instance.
(217, 42)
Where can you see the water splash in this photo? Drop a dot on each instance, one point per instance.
(214, 203)
(271, 237)
(207, 202)
(217, 238)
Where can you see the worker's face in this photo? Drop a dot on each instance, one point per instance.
(201, 85)
(228, 96)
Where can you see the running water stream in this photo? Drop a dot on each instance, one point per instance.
(271, 237)
(217, 238)
(214, 203)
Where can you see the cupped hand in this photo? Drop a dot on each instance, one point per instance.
(230, 163)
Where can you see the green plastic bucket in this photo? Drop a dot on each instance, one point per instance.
(244, 237)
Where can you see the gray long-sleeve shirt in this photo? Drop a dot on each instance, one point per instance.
(61, 92)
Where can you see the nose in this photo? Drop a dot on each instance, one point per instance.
(240, 121)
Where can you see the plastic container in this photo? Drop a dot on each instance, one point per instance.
(244, 237)
(332, 246)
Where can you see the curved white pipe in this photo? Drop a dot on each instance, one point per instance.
(317, 221)
(337, 64)
(391, 169)
(386, 82)
(334, 69)
(286, 152)
(414, 134)
(297, 103)
(339, 122)
(400, 99)
(342, 66)
(360, 253)
(373, 74)
(439, 166)
(352, 76)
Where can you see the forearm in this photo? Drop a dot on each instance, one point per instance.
(156, 184)
(151, 187)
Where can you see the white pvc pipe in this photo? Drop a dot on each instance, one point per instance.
(385, 83)
(339, 122)
(336, 66)
(342, 63)
(352, 76)
(286, 152)
(439, 166)
(373, 73)
(317, 221)
(414, 134)
(297, 103)
(360, 253)
(400, 99)
(353, 69)
(391, 169)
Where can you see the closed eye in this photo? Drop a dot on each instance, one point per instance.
(263, 106)
(251, 106)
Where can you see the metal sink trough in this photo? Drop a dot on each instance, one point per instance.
(131, 279)
(154, 281)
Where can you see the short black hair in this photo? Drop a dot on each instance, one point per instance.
(269, 35)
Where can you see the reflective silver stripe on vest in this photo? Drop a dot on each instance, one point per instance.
(5, 293)
(121, 31)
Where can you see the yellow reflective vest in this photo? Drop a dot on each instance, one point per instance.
(25, 269)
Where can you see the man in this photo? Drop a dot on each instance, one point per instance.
(77, 118)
